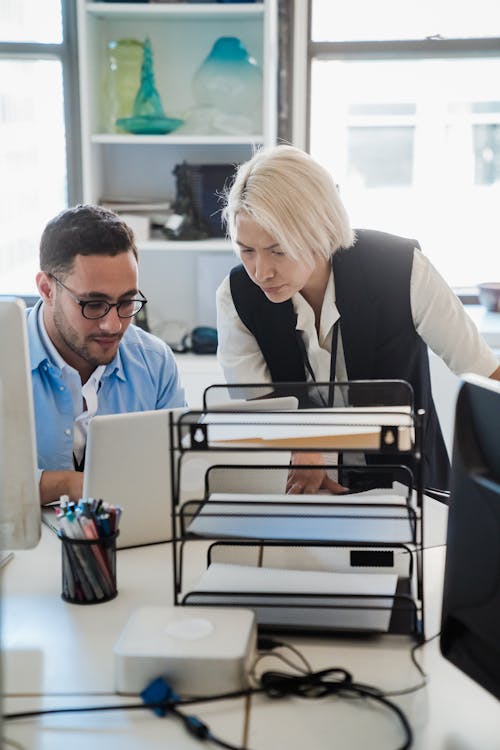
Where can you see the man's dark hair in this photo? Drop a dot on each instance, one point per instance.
(83, 230)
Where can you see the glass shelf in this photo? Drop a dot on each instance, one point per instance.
(194, 11)
(191, 139)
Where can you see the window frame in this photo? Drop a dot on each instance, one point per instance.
(67, 53)
(305, 51)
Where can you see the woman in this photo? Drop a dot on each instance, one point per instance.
(314, 300)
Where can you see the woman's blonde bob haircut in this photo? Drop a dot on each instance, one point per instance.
(294, 199)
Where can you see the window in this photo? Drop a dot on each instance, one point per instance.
(37, 67)
(404, 109)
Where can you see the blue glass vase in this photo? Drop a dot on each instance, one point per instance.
(229, 85)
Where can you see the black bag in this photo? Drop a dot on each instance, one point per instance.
(201, 340)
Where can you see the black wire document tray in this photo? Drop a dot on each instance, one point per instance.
(346, 562)
(301, 598)
(300, 518)
(328, 429)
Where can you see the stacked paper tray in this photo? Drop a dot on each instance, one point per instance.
(302, 517)
(298, 598)
(353, 428)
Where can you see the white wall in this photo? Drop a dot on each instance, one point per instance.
(180, 286)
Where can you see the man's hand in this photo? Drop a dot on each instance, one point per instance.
(311, 481)
(53, 484)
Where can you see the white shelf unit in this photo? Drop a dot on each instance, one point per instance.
(182, 35)
(179, 278)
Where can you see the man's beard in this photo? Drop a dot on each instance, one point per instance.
(79, 344)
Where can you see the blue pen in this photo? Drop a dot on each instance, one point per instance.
(105, 525)
(86, 505)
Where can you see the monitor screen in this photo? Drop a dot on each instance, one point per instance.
(471, 597)
(19, 498)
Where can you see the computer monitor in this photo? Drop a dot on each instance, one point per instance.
(19, 497)
(471, 597)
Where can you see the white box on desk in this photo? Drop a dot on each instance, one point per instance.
(198, 650)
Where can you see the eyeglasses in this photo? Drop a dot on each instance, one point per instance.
(95, 309)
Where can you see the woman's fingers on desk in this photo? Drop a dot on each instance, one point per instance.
(330, 485)
(303, 480)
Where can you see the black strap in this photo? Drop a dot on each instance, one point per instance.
(333, 362)
(79, 465)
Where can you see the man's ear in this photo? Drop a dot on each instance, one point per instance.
(45, 286)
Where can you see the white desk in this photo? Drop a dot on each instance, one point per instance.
(75, 656)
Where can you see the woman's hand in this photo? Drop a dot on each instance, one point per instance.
(311, 481)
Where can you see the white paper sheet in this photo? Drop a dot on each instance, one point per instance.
(306, 423)
(370, 612)
(304, 517)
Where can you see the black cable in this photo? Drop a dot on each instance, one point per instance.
(192, 724)
(276, 685)
(333, 681)
(308, 684)
(74, 710)
(425, 680)
(419, 645)
(267, 647)
(273, 684)
(264, 643)
(314, 685)
(201, 731)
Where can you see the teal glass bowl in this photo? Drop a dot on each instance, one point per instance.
(149, 125)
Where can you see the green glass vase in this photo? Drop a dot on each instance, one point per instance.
(122, 80)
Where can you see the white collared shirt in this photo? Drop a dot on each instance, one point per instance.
(84, 397)
(438, 315)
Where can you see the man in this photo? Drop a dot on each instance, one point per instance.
(86, 356)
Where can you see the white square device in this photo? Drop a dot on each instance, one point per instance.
(197, 650)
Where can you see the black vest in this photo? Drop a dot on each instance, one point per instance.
(372, 289)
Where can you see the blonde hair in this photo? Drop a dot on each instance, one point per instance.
(294, 199)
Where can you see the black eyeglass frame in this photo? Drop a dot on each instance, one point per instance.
(85, 303)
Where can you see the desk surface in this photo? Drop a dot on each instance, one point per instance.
(65, 652)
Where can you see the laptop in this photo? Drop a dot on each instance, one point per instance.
(127, 463)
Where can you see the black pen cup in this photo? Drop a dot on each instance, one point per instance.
(88, 569)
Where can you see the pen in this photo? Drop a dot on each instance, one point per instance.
(87, 577)
(86, 528)
(90, 532)
(103, 524)
(6, 560)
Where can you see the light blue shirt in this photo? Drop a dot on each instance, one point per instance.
(143, 376)
(72, 382)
